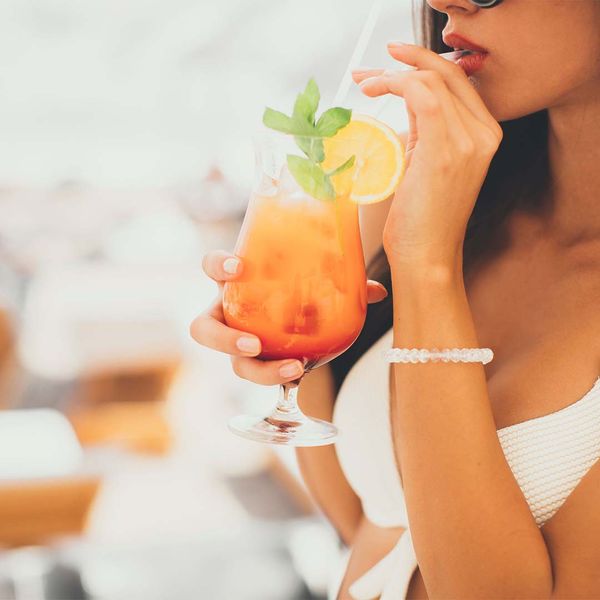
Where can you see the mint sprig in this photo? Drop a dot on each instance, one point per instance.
(311, 177)
(308, 135)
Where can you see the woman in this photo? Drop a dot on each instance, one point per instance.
(491, 240)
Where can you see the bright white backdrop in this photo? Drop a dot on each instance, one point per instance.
(138, 93)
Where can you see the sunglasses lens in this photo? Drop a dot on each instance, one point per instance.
(486, 3)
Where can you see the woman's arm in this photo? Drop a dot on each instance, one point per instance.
(473, 532)
(319, 466)
(472, 529)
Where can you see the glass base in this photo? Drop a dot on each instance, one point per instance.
(293, 429)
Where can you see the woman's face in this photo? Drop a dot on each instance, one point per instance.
(542, 53)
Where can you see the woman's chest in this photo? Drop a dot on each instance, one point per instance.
(541, 317)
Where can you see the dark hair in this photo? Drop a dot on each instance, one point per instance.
(518, 177)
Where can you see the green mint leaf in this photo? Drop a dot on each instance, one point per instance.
(303, 128)
(311, 177)
(307, 103)
(332, 120)
(312, 147)
(343, 167)
(309, 138)
(274, 119)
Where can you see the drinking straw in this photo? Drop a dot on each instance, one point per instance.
(357, 56)
(359, 51)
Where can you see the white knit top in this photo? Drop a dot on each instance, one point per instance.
(548, 456)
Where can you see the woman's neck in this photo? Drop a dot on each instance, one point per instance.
(574, 154)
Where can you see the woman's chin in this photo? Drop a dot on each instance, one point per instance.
(497, 103)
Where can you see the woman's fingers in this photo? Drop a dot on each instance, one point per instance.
(469, 137)
(359, 75)
(269, 372)
(221, 265)
(395, 82)
(453, 74)
(376, 292)
(209, 329)
(427, 108)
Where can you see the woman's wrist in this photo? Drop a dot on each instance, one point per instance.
(426, 271)
(431, 308)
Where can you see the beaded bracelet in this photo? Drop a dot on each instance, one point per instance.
(415, 355)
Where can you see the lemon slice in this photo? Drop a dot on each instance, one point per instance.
(379, 164)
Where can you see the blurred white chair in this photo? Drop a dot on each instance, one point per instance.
(46, 487)
(91, 318)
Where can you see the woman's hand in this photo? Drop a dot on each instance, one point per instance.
(451, 142)
(210, 330)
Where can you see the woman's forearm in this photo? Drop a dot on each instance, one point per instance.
(322, 475)
(320, 467)
(473, 532)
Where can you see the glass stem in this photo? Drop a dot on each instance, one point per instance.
(288, 398)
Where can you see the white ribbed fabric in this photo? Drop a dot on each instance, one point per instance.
(548, 456)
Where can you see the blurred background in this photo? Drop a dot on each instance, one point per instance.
(125, 155)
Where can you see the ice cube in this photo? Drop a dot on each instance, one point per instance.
(273, 267)
(334, 269)
(292, 193)
(289, 187)
(304, 321)
(267, 186)
(248, 309)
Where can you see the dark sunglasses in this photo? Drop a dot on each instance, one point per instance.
(486, 3)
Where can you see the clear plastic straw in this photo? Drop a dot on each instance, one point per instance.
(453, 55)
(357, 56)
(359, 51)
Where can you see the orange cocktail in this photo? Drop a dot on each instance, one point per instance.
(303, 287)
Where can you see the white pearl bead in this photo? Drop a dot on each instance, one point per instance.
(415, 355)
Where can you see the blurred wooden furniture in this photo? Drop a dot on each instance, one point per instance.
(47, 484)
(113, 329)
(8, 362)
(126, 407)
(34, 511)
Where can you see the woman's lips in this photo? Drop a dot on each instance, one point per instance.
(473, 56)
(458, 42)
(472, 61)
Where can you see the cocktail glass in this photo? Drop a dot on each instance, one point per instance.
(303, 289)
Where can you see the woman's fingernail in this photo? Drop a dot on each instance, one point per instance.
(231, 265)
(248, 344)
(290, 370)
(397, 44)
